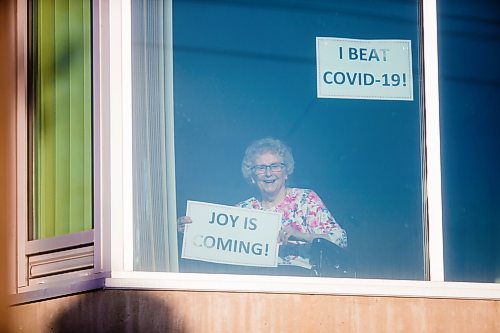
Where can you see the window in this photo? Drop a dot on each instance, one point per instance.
(55, 144)
(234, 81)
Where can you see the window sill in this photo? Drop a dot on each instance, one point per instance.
(302, 285)
(71, 284)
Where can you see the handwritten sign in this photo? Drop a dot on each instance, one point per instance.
(364, 69)
(231, 235)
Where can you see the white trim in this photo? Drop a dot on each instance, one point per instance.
(302, 285)
(128, 202)
(433, 145)
(116, 137)
(102, 154)
(59, 242)
(96, 136)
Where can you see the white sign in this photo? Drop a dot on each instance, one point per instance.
(231, 235)
(364, 69)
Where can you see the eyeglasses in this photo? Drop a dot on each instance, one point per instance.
(262, 168)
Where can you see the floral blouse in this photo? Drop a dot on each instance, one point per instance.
(305, 212)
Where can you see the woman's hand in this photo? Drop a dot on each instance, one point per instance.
(288, 232)
(181, 223)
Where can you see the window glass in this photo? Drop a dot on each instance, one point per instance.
(247, 70)
(62, 124)
(469, 72)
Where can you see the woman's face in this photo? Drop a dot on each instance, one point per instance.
(269, 182)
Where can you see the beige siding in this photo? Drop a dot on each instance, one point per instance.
(177, 311)
(7, 141)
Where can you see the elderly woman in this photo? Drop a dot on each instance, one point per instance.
(267, 164)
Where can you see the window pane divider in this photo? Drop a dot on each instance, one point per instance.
(60, 242)
(432, 142)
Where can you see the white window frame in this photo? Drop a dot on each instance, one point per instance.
(75, 262)
(122, 274)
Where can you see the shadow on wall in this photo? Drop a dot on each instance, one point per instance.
(118, 311)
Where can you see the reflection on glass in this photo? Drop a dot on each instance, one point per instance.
(246, 70)
(470, 139)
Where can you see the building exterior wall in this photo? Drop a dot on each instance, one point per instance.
(7, 143)
(187, 311)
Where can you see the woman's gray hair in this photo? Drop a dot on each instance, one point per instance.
(266, 145)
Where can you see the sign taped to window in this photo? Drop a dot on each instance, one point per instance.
(231, 235)
(364, 69)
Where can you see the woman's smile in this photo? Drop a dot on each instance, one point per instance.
(271, 184)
